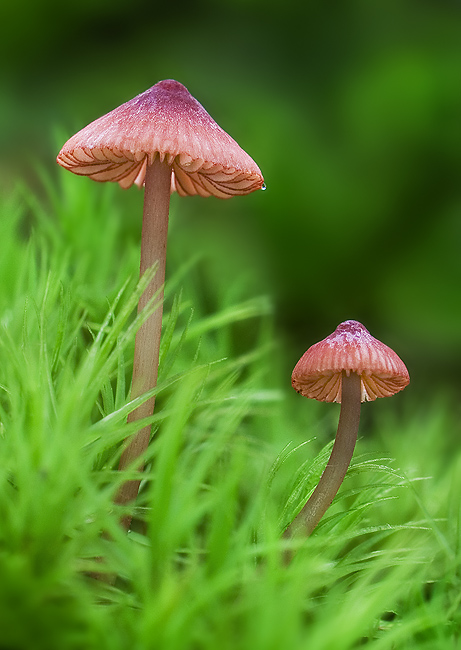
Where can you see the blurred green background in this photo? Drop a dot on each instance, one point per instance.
(352, 111)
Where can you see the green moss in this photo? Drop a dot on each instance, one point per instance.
(203, 567)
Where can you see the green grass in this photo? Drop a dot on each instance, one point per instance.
(227, 469)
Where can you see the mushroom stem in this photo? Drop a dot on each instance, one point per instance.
(147, 343)
(341, 455)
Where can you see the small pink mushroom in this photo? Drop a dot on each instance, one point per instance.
(350, 366)
(165, 140)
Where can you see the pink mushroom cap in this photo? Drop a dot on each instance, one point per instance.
(165, 121)
(351, 348)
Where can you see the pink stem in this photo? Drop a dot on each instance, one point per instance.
(339, 461)
(147, 343)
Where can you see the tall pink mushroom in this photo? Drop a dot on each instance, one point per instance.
(165, 140)
(350, 366)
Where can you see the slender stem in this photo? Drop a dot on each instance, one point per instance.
(147, 343)
(341, 455)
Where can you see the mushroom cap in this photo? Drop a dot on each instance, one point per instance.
(351, 348)
(165, 121)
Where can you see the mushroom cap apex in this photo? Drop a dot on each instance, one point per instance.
(350, 348)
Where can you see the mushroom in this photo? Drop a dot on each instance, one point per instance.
(165, 140)
(350, 366)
